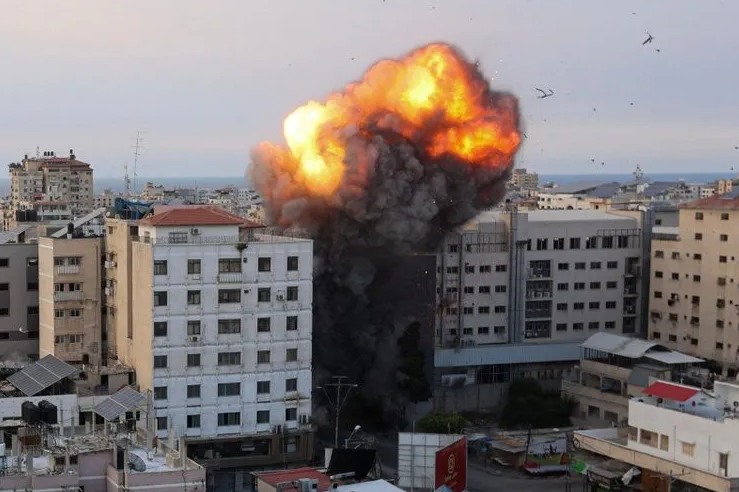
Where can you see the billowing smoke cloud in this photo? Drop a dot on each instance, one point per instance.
(394, 163)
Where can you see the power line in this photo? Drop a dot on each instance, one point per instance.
(339, 402)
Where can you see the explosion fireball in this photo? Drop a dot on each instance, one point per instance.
(389, 166)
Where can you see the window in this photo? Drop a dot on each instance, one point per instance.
(32, 286)
(563, 286)
(229, 418)
(264, 325)
(193, 327)
(610, 304)
(591, 242)
(229, 326)
(500, 309)
(698, 236)
(501, 289)
(610, 325)
(193, 360)
(580, 265)
(722, 259)
(160, 267)
(611, 284)
(594, 285)
(542, 244)
(229, 358)
(453, 248)
(291, 355)
(469, 269)
(59, 313)
(697, 257)
(193, 267)
(675, 276)
(291, 384)
(292, 263)
(264, 264)
(578, 326)
(483, 330)
(658, 274)
(699, 216)
(498, 268)
(563, 266)
(229, 296)
(160, 392)
(659, 254)
(648, 438)
(469, 289)
(160, 298)
(262, 416)
(177, 238)
(483, 310)
(160, 328)
(594, 305)
(721, 280)
(264, 294)
(161, 423)
(612, 265)
(484, 289)
(696, 278)
(193, 297)
(607, 242)
(664, 442)
(595, 265)
(499, 329)
(558, 243)
(579, 285)
(229, 265)
(229, 389)
(593, 325)
(292, 293)
(724, 216)
(75, 313)
(723, 238)
(160, 362)
(291, 323)
(561, 327)
(719, 323)
(193, 421)
(578, 306)
(687, 448)
(574, 243)
(263, 357)
(562, 306)
(4, 262)
(453, 270)
(193, 391)
(263, 387)
(291, 414)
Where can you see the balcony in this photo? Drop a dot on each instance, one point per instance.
(539, 273)
(67, 269)
(630, 292)
(538, 294)
(230, 278)
(68, 296)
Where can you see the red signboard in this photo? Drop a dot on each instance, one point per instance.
(451, 466)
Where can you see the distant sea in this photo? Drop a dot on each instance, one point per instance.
(116, 184)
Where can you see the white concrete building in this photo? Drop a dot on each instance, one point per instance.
(518, 292)
(680, 431)
(219, 326)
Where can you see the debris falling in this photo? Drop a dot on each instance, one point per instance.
(384, 169)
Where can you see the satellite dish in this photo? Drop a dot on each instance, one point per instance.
(136, 463)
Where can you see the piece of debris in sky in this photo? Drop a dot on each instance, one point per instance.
(649, 39)
(545, 94)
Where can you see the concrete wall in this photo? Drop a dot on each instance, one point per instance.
(479, 397)
(19, 295)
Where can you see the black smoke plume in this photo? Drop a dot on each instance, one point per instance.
(395, 202)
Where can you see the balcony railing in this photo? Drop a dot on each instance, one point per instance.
(68, 296)
(538, 294)
(67, 269)
(231, 277)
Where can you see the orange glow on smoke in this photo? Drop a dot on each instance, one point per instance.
(430, 85)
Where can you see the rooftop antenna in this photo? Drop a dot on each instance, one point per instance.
(126, 181)
(137, 148)
(639, 179)
(38, 152)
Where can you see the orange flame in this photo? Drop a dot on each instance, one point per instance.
(430, 84)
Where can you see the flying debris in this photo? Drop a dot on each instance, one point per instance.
(544, 94)
(649, 39)
(383, 170)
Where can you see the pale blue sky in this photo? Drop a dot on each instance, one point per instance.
(208, 80)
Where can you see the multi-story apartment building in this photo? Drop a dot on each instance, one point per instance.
(681, 433)
(613, 369)
(524, 180)
(51, 179)
(71, 297)
(19, 300)
(216, 320)
(694, 274)
(519, 292)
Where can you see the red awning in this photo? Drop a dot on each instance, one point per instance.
(668, 391)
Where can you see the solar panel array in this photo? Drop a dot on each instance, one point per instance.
(43, 373)
(124, 400)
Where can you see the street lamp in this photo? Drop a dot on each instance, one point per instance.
(357, 428)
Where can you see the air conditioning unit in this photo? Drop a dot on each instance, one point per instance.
(107, 291)
(193, 338)
(195, 231)
(195, 276)
(107, 264)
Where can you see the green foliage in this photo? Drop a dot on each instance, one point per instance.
(529, 405)
(441, 423)
(412, 365)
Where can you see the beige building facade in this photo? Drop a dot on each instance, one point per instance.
(694, 277)
(70, 298)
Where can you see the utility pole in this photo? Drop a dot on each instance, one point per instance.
(137, 148)
(339, 382)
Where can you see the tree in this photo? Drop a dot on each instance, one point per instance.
(442, 423)
(412, 365)
(529, 405)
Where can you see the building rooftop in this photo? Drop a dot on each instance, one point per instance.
(195, 215)
(635, 348)
(579, 187)
(669, 391)
(727, 201)
(281, 476)
(684, 399)
(574, 215)
(372, 486)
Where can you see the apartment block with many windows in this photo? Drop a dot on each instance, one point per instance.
(215, 317)
(694, 280)
(518, 292)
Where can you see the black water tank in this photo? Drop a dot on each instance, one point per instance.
(120, 458)
(30, 412)
(48, 412)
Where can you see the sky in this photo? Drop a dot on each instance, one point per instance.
(207, 81)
